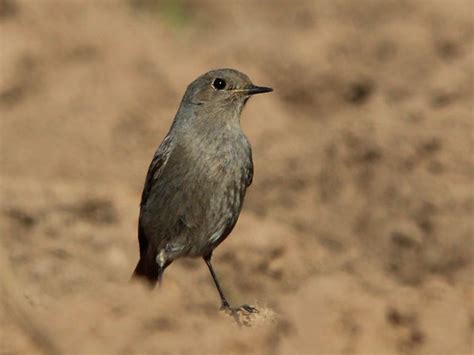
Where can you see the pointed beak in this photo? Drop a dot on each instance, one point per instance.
(252, 90)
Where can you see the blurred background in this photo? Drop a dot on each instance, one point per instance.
(356, 236)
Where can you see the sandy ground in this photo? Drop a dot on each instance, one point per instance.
(356, 236)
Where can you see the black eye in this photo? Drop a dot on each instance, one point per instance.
(219, 84)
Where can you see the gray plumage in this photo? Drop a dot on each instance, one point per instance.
(196, 183)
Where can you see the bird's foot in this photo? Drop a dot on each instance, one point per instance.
(241, 314)
(245, 308)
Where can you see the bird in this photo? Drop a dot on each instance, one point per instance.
(196, 183)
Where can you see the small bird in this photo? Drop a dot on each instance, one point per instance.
(196, 182)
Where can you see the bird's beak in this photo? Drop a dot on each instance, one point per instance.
(252, 90)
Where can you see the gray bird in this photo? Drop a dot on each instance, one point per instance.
(196, 182)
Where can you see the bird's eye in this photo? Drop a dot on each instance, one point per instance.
(219, 84)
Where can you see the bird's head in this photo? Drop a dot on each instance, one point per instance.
(222, 90)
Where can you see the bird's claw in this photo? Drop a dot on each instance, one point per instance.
(245, 308)
(248, 308)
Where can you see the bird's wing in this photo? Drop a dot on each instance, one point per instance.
(249, 174)
(156, 168)
(154, 171)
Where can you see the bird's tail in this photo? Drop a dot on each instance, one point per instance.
(147, 268)
(148, 271)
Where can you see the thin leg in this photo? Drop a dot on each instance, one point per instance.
(225, 304)
(162, 263)
(160, 276)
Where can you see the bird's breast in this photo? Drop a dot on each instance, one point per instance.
(198, 197)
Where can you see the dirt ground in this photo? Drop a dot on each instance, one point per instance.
(356, 236)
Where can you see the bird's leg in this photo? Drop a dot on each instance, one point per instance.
(162, 264)
(225, 305)
(160, 276)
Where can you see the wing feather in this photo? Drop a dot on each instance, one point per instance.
(154, 171)
(156, 168)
